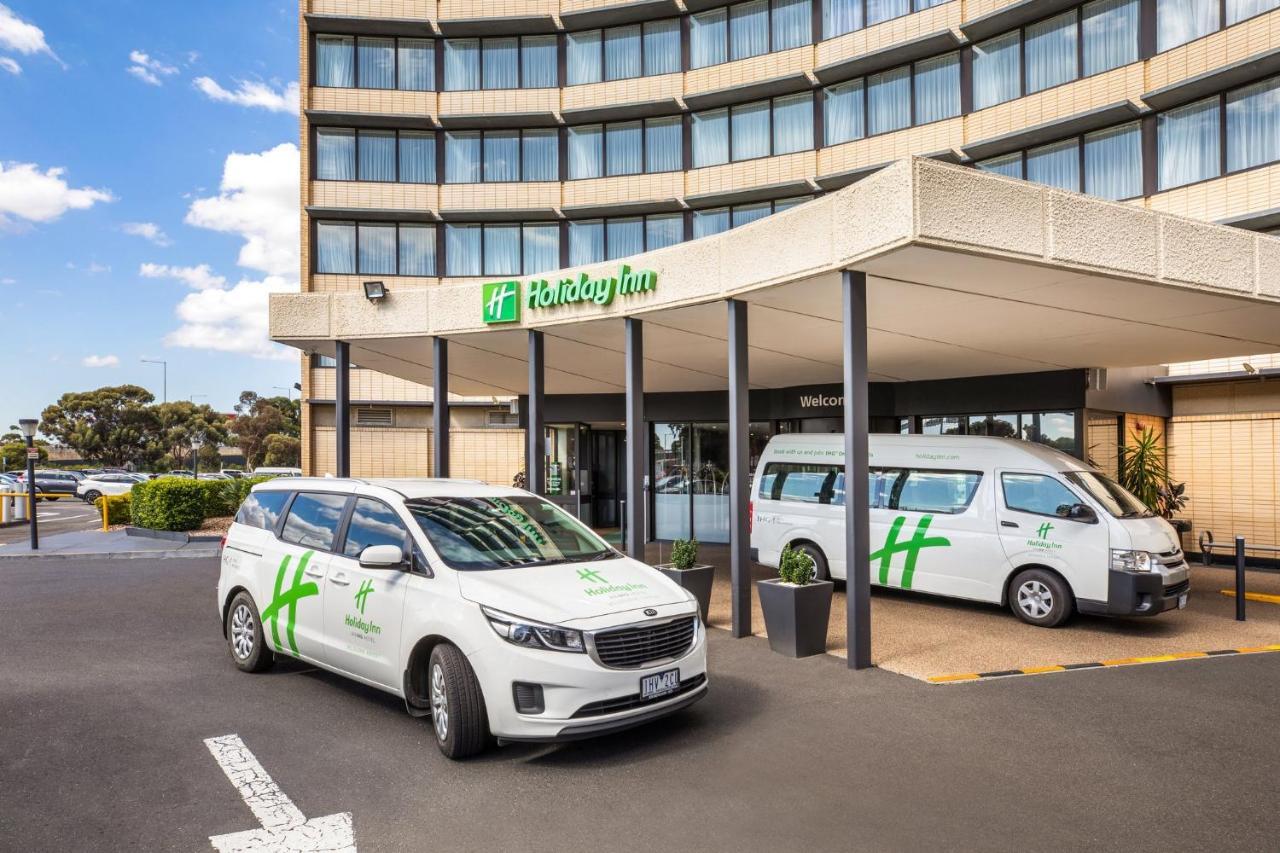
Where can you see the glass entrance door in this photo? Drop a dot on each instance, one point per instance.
(691, 478)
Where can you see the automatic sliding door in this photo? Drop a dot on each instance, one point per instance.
(671, 512)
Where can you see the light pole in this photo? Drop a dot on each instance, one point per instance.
(165, 365)
(197, 442)
(297, 386)
(28, 427)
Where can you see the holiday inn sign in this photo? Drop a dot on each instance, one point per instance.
(501, 300)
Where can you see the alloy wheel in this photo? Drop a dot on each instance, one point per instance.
(242, 627)
(439, 703)
(1035, 598)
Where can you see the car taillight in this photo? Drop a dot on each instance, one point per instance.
(751, 514)
(222, 543)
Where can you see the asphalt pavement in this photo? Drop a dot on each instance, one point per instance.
(113, 674)
(65, 515)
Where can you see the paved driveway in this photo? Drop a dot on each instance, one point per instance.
(65, 515)
(113, 673)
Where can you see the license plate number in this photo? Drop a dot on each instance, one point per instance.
(1182, 601)
(659, 684)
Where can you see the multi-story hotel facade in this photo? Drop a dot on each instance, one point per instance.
(449, 144)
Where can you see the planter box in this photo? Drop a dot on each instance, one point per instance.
(796, 617)
(696, 580)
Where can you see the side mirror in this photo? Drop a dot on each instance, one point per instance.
(382, 557)
(1082, 513)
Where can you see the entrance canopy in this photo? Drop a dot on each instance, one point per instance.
(967, 274)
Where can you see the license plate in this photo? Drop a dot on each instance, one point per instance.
(659, 684)
(1182, 601)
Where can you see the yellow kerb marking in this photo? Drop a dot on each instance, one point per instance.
(1035, 670)
(1155, 658)
(1253, 596)
(942, 679)
(1253, 649)
(1187, 655)
(1121, 661)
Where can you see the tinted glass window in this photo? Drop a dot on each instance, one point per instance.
(1037, 493)
(372, 523)
(935, 491)
(808, 483)
(313, 520)
(262, 509)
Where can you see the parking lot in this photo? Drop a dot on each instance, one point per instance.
(115, 674)
(65, 515)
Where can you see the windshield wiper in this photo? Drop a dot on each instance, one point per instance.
(607, 554)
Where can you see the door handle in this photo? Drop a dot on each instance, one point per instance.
(339, 579)
(1008, 524)
(314, 573)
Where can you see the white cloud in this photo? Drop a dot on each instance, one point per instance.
(30, 194)
(252, 93)
(148, 69)
(231, 319)
(147, 231)
(144, 75)
(196, 278)
(23, 37)
(9, 65)
(8, 281)
(101, 361)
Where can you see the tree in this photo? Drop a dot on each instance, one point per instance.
(112, 425)
(282, 451)
(14, 454)
(179, 422)
(259, 418)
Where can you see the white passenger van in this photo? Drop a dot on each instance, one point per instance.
(987, 519)
(491, 610)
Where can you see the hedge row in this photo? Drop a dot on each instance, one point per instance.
(177, 503)
(117, 508)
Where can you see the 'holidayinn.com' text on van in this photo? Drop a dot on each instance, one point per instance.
(987, 519)
(491, 610)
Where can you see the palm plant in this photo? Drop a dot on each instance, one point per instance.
(1144, 470)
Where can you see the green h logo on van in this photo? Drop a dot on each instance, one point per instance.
(287, 600)
(590, 575)
(1043, 531)
(911, 548)
(366, 587)
(501, 302)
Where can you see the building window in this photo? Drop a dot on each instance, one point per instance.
(1181, 21)
(887, 102)
(1009, 165)
(586, 151)
(720, 219)
(709, 38)
(527, 62)
(1055, 429)
(335, 61)
(586, 242)
(792, 24)
(622, 53)
(376, 63)
(662, 230)
(501, 419)
(375, 248)
(845, 16)
(1050, 48)
(501, 156)
(1055, 165)
(996, 70)
(626, 148)
(1110, 34)
(1112, 163)
(416, 65)
(1188, 143)
(793, 123)
(348, 62)
(541, 248)
(417, 157)
(748, 131)
(417, 249)
(1253, 125)
(345, 154)
(662, 47)
(937, 88)
(377, 155)
(710, 137)
(664, 144)
(584, 58)
(474, 249)
(842, 105)
(748, 29)
(335, 154)
(1239, 10)
(879, 11)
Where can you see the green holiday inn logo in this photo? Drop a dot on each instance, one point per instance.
(1042, 538)
(912, 547)
(592, 576)
(286, 601)
(1043, 531)
(362, 594)
(501, 302)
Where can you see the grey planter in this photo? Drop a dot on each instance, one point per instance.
(796, 617)
(697, 580)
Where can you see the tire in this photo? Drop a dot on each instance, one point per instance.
(91, 497)
(1041, 598)
(245, 640)
(51, 499)
(820, 570)
(458, 716)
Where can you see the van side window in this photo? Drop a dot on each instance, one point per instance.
(373, 523)
(799, 482)
(948, 492)
(1037, 493)
(262, 509)
(313, 520)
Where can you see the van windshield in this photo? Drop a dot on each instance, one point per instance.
(507, 532)
(1115, 498)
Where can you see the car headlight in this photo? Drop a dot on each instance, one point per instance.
(1130, 561)
(533, 635)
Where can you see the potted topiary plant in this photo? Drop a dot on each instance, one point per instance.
(796, 607)
(686, 571)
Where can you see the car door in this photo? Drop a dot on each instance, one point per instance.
(364, 607)
(1035, 529)
(297, 564)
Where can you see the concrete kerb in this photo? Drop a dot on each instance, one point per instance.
(174, 554)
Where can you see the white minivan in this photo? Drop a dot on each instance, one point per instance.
(987, 519)
(489, 609)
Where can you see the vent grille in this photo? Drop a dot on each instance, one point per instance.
(374, 417)
(641, 646)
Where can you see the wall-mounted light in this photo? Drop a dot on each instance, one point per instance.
(1250, 369)
(375, 291)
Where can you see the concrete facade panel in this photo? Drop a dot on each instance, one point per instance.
(1219, 257)
(1086, 231)
(959, 206)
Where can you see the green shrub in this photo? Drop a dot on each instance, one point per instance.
(117, 507)
(684, 553)
(220, 497)
(168, 503)
(795, 567)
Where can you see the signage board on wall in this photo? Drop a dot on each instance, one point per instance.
(501, 301)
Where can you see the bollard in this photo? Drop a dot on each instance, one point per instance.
(5, 511)
(20, 507)
(1239, 578)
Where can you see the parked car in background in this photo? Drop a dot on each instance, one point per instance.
(178, 472)
(234, 474)
(277, 472)
(214, 475)
(56, 484)
(92, 488)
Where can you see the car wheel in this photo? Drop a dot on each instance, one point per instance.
(244, 636)
(51, 498)
(92, 497)
(457, 705)
(1041, 598)
(820, 570)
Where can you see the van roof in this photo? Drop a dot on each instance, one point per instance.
(408, 487)
(1049, 456)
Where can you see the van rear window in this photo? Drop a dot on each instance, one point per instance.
(262, 509)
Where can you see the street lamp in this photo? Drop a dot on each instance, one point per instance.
(197, 442)
(165, 365)
(28, 427)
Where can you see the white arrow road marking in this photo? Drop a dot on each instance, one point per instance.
(284, 827)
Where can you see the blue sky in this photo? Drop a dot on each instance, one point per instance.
(148, 196)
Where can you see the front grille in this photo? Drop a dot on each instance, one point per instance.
(1177, 588)
(640, 646)
(626, 703)
(1172, 559)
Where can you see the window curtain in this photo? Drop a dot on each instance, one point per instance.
(1253, 125)
(1180, 21)
(889, 100)
(788, 203)
(624, 237)
(538, 56)
(663, 230)
(938, 88)
(1110, 34)
(662, 47)
(461, 64)
(462, 249)
(664, 145)
(501, 63)
(582, 58)
(417, 157)
(377, 152)
(750, 129)
(377, 58)
(749, 29)
(1113, 162)
(1238, 10)
(710, 138)
(335, 61)
(1187, 142)
(377, 248)
(541, 248)
(708, 222)
(840, 17)
(708, 38)
(1051, 52)
(586, 242)
(744, 213)
(502, 249)
(623, 53)
(336, 247)
(462, 160)
(842, 112)
(585, 152)
(335, 154)
(502, 155)
(541, 155)
(885, 10)
(1056, 165)
(996, 71)
(792, 23)
(1010, 165)
(417, 249)
(793, 123)
(624, 148)
(921, 5)
(417, 65)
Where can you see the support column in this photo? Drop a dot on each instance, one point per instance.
(637, 435)
(342, 409)
(857, 506)
(440, 407)
(739, 463)
(535, 463)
